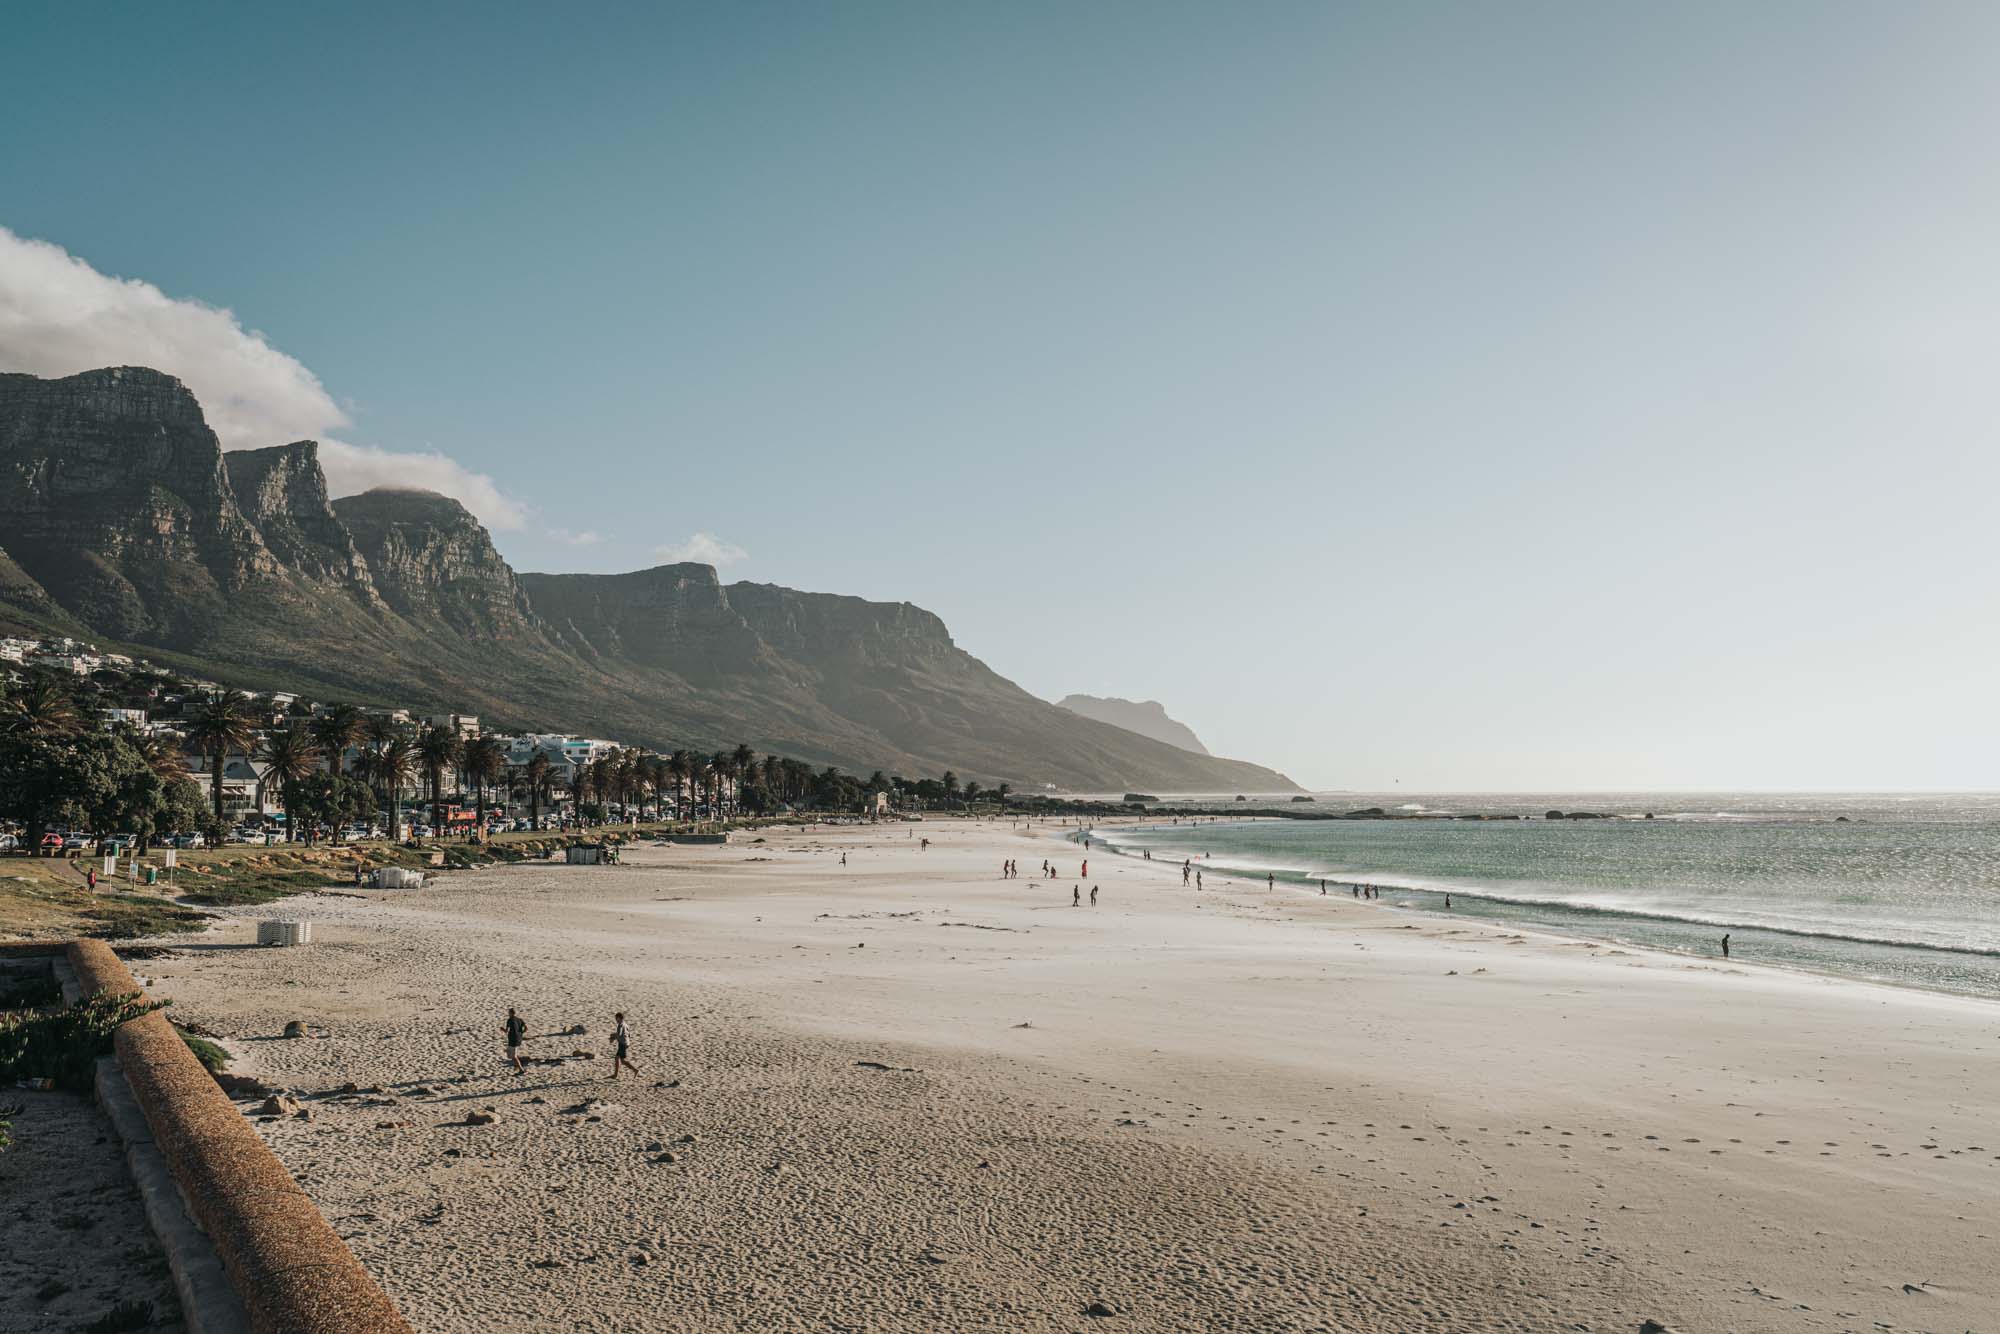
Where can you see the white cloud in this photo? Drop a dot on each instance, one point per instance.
(582, 539)
(58, 316)
(702, 548)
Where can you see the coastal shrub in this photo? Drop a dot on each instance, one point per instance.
(64, 1044)
(212, 1057)
(30, 993)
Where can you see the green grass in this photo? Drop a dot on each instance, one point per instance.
(212, 1057)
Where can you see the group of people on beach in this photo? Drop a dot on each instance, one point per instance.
(621, 1042)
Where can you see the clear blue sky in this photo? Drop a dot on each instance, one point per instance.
(1525, 395)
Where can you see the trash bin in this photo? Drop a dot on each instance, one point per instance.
(152, 875)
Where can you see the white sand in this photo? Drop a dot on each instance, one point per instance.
(1238, 1110)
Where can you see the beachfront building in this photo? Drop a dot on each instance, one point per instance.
(465, 724)
(246, 788)
(110, 718)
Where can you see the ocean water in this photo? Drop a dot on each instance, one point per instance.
(1893, 888)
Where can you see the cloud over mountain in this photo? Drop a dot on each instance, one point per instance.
(59, 315)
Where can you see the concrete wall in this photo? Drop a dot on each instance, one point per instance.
(293, 1272)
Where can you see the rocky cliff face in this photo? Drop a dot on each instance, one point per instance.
(112, 490)
(120, 518)
(282, 492)
(431, 560)
(1146, 717)
(675, 614)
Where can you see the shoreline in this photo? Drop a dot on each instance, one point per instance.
(1531, 914)
(1502, 1154)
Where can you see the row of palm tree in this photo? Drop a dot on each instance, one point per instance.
(390, 759)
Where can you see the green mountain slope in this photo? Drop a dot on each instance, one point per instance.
(121, 518)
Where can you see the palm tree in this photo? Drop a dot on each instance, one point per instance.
(390, 764)
(485, 761)
(41, 708)
(165, 758)
(950, 783)
(743, 762)
(538, 782)
(438, 749)
(722, 769)
(291, 755)
(335, 730)
(698, 777)
(680, 765)
(221, 726)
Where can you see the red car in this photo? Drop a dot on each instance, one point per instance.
(52, 845)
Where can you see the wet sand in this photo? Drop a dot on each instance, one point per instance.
(905, 1093)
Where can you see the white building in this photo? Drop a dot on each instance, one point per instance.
(465, 724)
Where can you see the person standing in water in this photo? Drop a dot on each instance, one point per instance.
(1725, 944)
(1270, 880)
(620, 1046)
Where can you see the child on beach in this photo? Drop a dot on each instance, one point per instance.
(620, 1046)
(517, 1029)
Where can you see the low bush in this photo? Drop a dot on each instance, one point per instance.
(64, 1044)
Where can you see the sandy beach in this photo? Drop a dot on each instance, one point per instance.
(904, 1093)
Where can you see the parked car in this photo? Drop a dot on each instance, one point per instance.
(74, 842)
(8, 843)
(52, 844)
(119, 844)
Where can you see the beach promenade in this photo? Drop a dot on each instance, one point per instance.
(905, 1093)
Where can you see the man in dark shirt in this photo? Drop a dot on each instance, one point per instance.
(517, 1029)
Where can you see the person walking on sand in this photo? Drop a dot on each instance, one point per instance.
(517, 1030)
(1076, 896)
(1197, 880)
(843, 859)
(1270, 880)
(1093, 896)
(1085, 872)
(620, 1046)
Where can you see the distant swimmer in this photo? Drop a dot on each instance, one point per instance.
(1075, 896)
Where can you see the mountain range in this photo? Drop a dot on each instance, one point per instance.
(122, 520)
(1146, 717)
